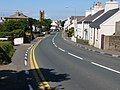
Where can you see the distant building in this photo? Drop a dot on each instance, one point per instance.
(54, 25)
(1, 20)
(17, 16)
(42, 15)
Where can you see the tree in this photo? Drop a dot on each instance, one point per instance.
(33, 22)
(46, 23)
(2, 28)
(16, 24)
(62, 24)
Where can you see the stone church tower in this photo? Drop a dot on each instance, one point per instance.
(42, 15)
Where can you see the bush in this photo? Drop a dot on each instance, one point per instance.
(14, 33)
(17, 33)
(4, 34)
(70, 32)
(6, 52)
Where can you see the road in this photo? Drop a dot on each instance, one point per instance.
(68, 67)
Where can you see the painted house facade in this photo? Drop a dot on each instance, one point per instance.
(105, 24)
(72, 22)
(83, 25)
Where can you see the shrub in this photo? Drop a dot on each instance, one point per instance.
(4, 34)
(6, 52)
(17, 33)
(70, 32)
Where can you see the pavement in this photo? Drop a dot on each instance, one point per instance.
(112, 53)
(13, 76)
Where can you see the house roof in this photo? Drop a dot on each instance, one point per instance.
(104, 17)
(80, 21)
(17, 15)
(91, 18)
(77, 17)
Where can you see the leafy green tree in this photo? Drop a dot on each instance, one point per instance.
(46, 23)
(16, 24)
(33, 22)
(2, 28)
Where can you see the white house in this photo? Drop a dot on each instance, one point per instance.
(83, 25)
(54, 25)
(105, 24)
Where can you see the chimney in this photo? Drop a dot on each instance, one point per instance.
(97, 8)
(88, 12)
(17, 13)
(112, 4)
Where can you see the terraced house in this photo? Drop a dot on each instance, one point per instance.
(105, 25)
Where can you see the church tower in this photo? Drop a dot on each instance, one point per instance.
(42, 15)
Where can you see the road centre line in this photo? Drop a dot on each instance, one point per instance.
(64, 50)
(107, 68)
(34, 66)
(55, 45)
(61, 49)
(93, 63)
(75, 56)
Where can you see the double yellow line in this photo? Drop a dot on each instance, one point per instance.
(42, 84)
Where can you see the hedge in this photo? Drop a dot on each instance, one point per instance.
(4, 34)
(14, 33)
(6, 52)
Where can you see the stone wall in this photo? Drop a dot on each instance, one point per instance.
(112, 43)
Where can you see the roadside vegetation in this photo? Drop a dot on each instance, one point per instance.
(70, 32)
(18, 28)
(6, 52)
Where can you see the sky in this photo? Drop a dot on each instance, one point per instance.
(54, 9)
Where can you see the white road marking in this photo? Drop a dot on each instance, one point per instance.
(75, 56)
(25, 58)
(30, 87)
(27, 72)
(52, 40)
(55, 45)
(25, 62)
(61, 49)
(107, 68)
(26, 54)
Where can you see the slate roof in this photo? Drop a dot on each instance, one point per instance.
(77, 17)
(90, 19)
(104, 17)
(80, 21)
